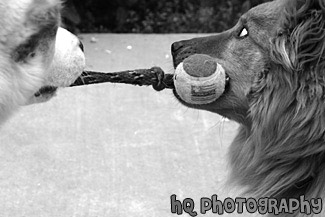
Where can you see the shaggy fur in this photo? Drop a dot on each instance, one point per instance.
(34, 53)
(276, 93)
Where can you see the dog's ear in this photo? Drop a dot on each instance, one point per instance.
(299, 47)
(308, 36)
(301, 35)
(44, 13)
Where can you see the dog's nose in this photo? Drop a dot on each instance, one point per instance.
(81, 46)
(176, 46)
(181, 50)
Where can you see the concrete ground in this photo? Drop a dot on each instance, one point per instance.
(113, 149)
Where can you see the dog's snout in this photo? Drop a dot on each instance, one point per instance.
(176, 46)
(81, 46)
(181, 50)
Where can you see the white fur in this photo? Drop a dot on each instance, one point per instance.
(59, 65)
(68, 61)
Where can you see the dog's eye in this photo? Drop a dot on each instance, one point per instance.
(24, 51)
(243, 33)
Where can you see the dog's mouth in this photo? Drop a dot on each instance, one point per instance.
(46, 90)
(226, 90)
(200, 80)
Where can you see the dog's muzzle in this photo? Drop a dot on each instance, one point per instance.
(67, 65)
(199, 80)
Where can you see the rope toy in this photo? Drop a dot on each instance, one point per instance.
(199, 79)
(154, 76)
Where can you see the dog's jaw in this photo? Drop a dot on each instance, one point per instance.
(224, 104)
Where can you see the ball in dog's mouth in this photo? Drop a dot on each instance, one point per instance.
(199, 80)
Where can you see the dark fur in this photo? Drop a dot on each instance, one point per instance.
(276, 93)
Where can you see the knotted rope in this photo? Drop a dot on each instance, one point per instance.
(154, 76)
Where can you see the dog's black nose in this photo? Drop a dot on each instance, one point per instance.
(81, 46)
(181, 50)
(177, 46)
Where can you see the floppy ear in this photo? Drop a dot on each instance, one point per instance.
(44, 13)
(285, 150)
(302, 35)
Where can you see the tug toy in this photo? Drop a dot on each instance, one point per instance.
(154, 76)
(199, 79)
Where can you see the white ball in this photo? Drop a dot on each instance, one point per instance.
(199, 90)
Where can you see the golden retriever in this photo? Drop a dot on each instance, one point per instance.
(36, 55)
(274, 58)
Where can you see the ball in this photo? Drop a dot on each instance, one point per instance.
(199, 79)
